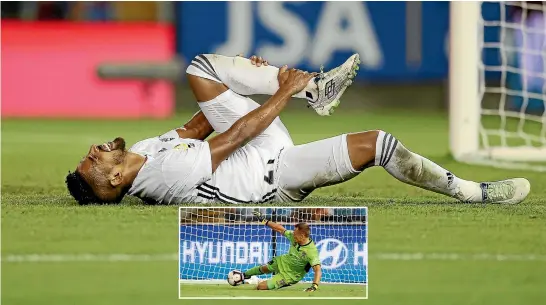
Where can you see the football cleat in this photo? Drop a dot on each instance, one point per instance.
(510, 191)
(332, 84)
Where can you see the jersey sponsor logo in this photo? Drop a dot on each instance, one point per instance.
(333, 253)
(184, 146)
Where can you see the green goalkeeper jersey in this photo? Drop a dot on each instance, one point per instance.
(299, 259)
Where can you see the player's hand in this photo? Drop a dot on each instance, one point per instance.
(260, 217)
(313, 287)
(258, 61)
(293, 80)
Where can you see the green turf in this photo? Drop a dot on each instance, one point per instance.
(38, 217)
(249, 291)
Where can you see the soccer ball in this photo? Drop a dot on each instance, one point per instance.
(235, 278)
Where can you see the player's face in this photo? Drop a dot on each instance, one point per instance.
(299, 236)
(100, 160)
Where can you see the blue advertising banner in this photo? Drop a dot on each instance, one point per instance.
(211, 251)
(397, 41)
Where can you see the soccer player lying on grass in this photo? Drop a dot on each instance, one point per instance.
(289, 268)
(253, 158)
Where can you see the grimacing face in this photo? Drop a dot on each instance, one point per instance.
(99, 162)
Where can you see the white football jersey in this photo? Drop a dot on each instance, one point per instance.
(180, 171)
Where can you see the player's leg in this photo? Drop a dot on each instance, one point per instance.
(241, 76)
(338, 159)
(304, 168)
(275, 282)
(223, 107)
(270, 267)
(257, 270)
(262, 285)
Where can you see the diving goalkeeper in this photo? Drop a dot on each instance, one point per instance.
(289, 268)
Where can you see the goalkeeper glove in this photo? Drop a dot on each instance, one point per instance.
(312, 288)
(261, 217)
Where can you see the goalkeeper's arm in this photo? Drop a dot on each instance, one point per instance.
(316, 280)
(274, 226)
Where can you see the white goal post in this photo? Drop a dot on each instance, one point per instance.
(491, 122)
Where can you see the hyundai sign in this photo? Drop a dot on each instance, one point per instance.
(209, 252)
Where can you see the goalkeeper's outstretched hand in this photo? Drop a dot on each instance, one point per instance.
(313, 287)
(261, 217)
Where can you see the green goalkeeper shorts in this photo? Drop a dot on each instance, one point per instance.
(279, 280)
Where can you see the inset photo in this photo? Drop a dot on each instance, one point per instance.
(274, 252)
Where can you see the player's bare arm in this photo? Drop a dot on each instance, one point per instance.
(198, 127)
(316, 279)
(255, 122)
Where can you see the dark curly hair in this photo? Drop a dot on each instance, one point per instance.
(80, 189)
(84, 194)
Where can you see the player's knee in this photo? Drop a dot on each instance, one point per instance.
(202, 59)
(203, 65)
(203, 79)
(262, 286)
(361, 147)
(364, 140)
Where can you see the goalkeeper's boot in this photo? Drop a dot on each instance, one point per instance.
(332, 84)
(510, 191)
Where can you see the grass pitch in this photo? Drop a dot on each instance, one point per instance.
(249, 291)
(424, 248)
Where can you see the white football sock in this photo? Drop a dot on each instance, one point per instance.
(239, 75)
(416, 170)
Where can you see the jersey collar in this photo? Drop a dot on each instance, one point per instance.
(307, 244)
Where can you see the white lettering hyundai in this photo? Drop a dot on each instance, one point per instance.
(222, 252)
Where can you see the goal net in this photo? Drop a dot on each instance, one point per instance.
(216, 240)
(498, 84)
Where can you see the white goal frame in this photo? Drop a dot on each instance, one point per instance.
(465, 98)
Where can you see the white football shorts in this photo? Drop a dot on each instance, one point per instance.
(298, 169)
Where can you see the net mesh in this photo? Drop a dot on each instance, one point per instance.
(215, 241)
(513, 84)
